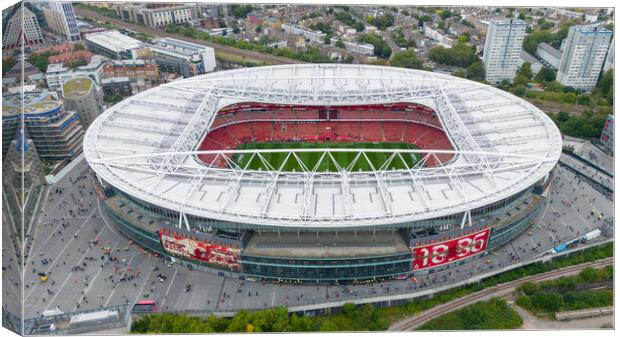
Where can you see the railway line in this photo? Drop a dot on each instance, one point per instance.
(498, 290)
(269, 59)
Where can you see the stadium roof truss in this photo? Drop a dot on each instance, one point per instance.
(146, 147)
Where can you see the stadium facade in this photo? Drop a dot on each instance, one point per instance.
(177, 171)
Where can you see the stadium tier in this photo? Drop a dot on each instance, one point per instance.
(322, 173)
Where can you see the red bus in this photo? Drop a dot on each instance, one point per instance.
(145, 306)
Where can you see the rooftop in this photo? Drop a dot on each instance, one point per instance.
(549, 49)
(114, 40)
(77, 87)
(34, 102)
(502, 144)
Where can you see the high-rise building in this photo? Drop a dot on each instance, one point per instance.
(23, 24)
(583, 56)
(82, 95)
(60, 18)
(502, 49)
(609, 60)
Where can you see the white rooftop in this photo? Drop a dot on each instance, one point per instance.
(146, 147)
(114, 40)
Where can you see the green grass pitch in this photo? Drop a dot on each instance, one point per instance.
(310, 159)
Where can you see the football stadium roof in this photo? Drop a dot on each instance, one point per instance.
(146, 147)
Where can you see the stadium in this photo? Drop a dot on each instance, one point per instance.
(322, 173)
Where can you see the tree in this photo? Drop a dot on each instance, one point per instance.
(340, 44)
(78, 46)
(382, 49)
(521, 80)
(7, 64)
(606, 84)
(461, 55)
(381, 21)
(547, 301)
(40, 60)
(406, 59)
(476, 71)
(526, 70)
(545, 74)
(236, 30)
(241, 11)
(259, 29)
(519, 90)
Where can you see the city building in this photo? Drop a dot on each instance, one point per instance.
(185, 58)
(535, 64)
(311, 35)
(60, 18)
(135, 70)
(360, 48)
(609, 60)
(607, 136)
(82, 95)
(57, 73)
(73, 56)
(22, 70)
(502, 49)
(115, 45)
(305, 225)
(13, 33)
(113, 86)
(438, 37)
(56, 131)
(549, 55)
(64, 47)
(583, 56)
(157, 17)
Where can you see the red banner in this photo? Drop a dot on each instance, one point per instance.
(209, 252)
(437, 254)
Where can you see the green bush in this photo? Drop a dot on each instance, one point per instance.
(492, 314)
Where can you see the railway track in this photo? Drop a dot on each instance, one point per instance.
(418, 320)
(270, 59)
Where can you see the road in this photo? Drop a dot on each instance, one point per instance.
(497, 291)
(269, 59)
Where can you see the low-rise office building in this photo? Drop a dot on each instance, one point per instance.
(184, 58)
(157, 17)
(57, 74)
(360, 48)
(145, 70)
(115, 45)
(57, 132)
(311, 35)
(549, 55)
